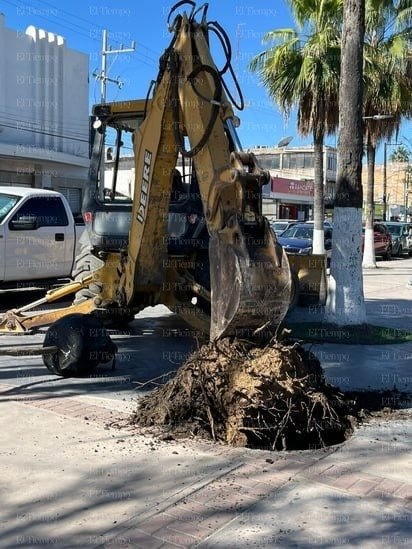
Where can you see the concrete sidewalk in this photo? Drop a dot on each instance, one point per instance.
(72, 478)
(388, 303)
(75, 474)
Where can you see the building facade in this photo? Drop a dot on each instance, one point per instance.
(290, 192)
(288, 195)
(44, 108)
(398, 190)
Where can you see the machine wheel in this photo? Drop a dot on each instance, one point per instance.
(85, 264)
(82, 343)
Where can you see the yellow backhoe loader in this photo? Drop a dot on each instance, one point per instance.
(192, 235)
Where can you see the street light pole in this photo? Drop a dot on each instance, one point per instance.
(382, 117)
(378, 117)
(384, 182)
(384, 197)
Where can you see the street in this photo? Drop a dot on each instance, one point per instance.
(157, 342)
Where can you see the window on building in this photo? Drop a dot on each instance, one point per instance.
(331, 163)
(74, 198)
(269, 161)
(289, 161)
(19, 178)
(301, 160)
(309, 160)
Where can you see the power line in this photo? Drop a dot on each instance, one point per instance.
(44, 133)
(28, 120)
(84, 31)
(37, 126)
(139, 56)
(88, 23)
(102, 76)
(61, 25)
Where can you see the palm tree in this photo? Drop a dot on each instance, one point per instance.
(387, 88)
(400, 154)
(345, 303)
(300, 69)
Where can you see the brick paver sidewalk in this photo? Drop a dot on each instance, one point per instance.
(206, 510)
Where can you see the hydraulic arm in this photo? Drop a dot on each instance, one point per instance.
(240, 279)
(249, 274)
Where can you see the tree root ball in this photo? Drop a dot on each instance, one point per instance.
(274, 397)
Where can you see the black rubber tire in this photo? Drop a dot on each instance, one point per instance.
(82, 343)
(85, 264)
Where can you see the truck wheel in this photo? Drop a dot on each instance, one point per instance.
(85, 264)
(82, 343)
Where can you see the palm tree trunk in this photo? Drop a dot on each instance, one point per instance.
(369, 259)
(318, 200)
(345, 304)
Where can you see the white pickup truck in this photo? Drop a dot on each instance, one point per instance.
(38, 236)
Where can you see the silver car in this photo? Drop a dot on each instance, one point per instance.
(281, 225)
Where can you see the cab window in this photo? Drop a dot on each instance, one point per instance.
(48, 210)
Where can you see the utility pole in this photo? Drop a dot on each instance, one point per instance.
(406, 192)
(238, 37)
(102, 76)
(385, 180)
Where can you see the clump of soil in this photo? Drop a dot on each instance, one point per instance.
(274, 397)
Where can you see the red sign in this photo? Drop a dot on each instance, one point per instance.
(292, 186)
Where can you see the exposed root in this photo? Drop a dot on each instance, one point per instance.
(274, 397)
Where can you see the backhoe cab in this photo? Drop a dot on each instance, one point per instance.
(193, 236)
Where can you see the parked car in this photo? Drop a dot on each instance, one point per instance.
(281, 225)
(297, 239)
(401, 234)
(38, 235)
(382, 240)
(326, 223)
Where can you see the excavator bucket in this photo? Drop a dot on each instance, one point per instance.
(250, 282)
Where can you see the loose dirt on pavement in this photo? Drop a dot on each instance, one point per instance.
(273, 397)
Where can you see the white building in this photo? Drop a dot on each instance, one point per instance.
(44, 122)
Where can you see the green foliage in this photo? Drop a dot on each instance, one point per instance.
(400, 154)
(387, 67)
(300, 68)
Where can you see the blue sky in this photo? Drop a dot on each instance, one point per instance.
(144, 21)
